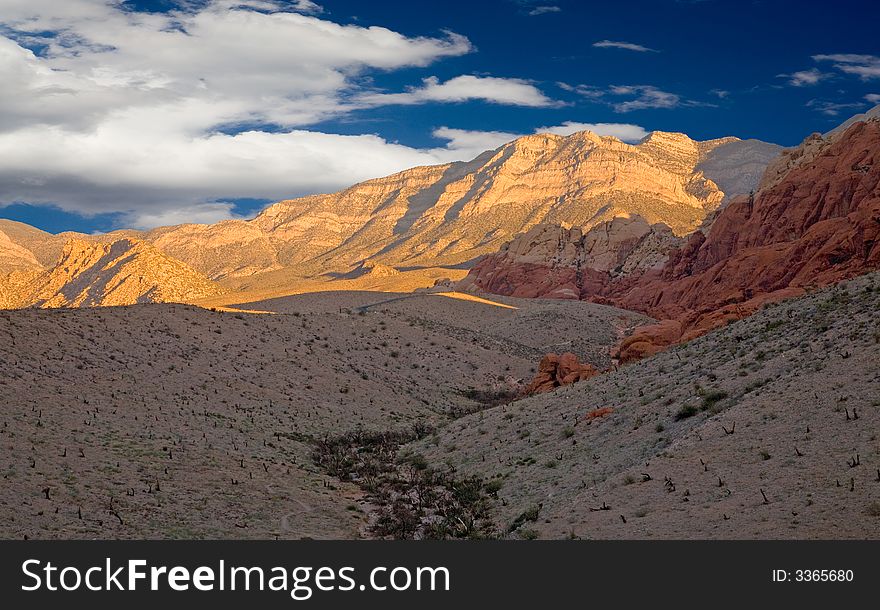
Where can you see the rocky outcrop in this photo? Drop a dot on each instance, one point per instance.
(736, 166)
(820, 224)
(816, 222)
(123, 272)
(554, 262)
(555, 371)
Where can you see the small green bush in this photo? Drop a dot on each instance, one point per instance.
(685, 412)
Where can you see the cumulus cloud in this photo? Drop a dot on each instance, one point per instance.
(511, 91)
(110, 110)
(241, 64)
(618, 44)
(866, 67)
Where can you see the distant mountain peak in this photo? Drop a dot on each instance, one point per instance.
(449, 215)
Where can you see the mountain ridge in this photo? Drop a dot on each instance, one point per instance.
(448, 215)
(122, 272)
(813, 223)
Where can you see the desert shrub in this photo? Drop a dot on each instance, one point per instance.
(713, 396)
(494, 486)
(490, 398)
(528, 534)
(686, 411)
(414, 500)
(530, 514)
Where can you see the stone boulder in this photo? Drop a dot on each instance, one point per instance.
(558, 370)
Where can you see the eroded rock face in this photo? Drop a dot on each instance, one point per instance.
(820, 224)
(448, 215)
(555, 262)
(123, 272)
(816, 222)
(558, 370)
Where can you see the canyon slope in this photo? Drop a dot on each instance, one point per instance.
(122, 272)
(814, 222)
(201, 424)
(763, 428)
(425, 220)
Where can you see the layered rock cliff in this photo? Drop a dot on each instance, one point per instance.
(448, 215)
(816, 221)
(554, 262)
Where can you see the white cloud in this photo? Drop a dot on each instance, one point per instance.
(307, 6)
(238, 64)
(873, 98)
(126, 112)
(629, 46)
(866, 67)
(833, 108)
(805, 77)
(511, 91)
(643, 96)
(468, 144)
(544, 10)
(626, 98)
(622, 131)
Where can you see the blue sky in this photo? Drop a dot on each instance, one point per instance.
(152, 112)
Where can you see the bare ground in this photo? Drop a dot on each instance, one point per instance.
(786, 402)
(172, 421)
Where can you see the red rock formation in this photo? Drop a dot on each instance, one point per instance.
(553, 262)
(818, 225)
(597, 413)
(815, 224)
(555, 371)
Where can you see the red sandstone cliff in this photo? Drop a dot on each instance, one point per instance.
(815, 224)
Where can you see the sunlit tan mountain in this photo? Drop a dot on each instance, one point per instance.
(433, 218)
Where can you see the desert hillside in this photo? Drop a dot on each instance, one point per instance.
(121, 272)
(784, 402)
(173, 421)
